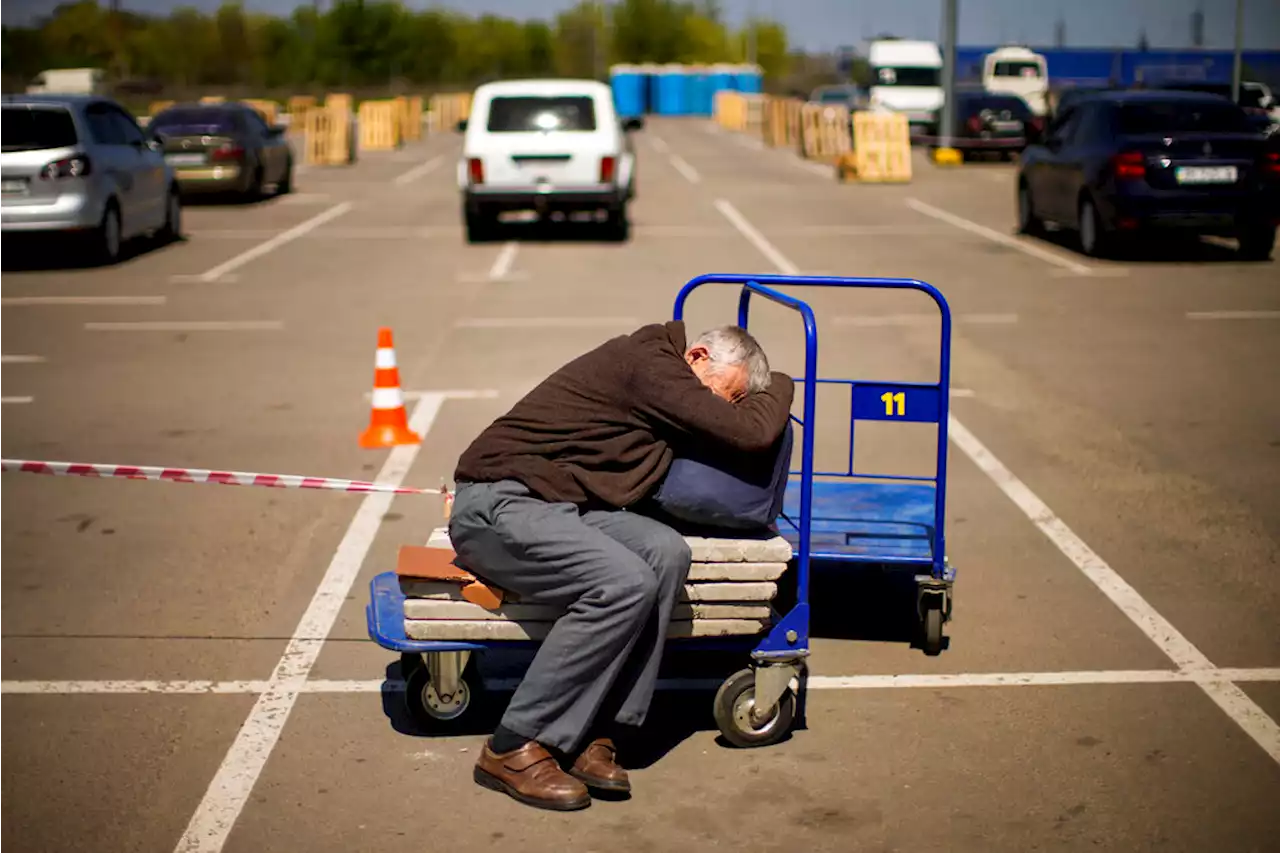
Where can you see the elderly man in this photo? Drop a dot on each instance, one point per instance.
(545, 508)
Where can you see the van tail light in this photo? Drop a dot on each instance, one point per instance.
(974, 124)
(1271, 164)
(475, 170)
(70, 167)
(606, 169)
(1129, 165)
(227, 152)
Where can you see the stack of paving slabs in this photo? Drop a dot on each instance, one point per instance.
(730, 591)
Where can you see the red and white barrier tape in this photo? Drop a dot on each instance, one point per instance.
(200, 475)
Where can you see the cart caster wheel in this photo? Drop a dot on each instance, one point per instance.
(933, 632)
(430, 711)
(734, 703)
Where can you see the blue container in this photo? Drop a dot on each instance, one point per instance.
(671, 91)
(697, 90)
(750, 79)
(721, 79)
(628, 90)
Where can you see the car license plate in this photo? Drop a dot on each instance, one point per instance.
(185, 159)
(13, 186)
(1007, 126)
(1206, 174)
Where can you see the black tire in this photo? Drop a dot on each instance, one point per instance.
(1256, 241)
(617, 225)
(479, 226)
(1028, 222)
(286, 182)
(171, 231)
(255, 191)
(107, 238)
(931, 630)
(429, 718)
(1094, 239)
(733, 703)
(410, 661)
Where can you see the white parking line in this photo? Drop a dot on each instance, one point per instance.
(543, 322)
(232, 785)
(996, 237)
(16, 301)
(659, 144)
(21, 359)
(275, 242)
(689, 173)
(189, 326)
(16, 401)
(814, 682)
(502, 263)
(1233, 315)
(925, 319)
(418, 171)
(1243, 710)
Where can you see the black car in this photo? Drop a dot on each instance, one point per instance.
(989, 122)
(224, 147)
(1120, 164)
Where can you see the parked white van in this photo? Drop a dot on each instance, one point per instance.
(546, 146)
(906, 77)
(1018, 71)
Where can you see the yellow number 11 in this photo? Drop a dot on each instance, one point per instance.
(890, 398)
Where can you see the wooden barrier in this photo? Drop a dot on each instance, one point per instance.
(782, 122)
(213, 99)
(446, 110)
(825, 132)
(298, 106)
(379, 124)
(269, 110)
(730, 110)
(881, 148)
(411, 118)
(328, 136)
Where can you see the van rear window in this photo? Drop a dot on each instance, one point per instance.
(526, 114)
(36, 128)
(908, 77)
(1016, 69)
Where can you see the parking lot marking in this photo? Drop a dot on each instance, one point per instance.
(189, 326)
(659, 144)
(1244, 711)
(925, 319)
(275, 242)
(16, 301)
(543, 322)
(419, 170)
(16, 401)
(232, 785)
(1233, 315)
(904, 681)
(996, 237)
(689, 173)
(502, 263)
(21, 359)
(1231, 699)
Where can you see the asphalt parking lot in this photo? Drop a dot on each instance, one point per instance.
(187, 668)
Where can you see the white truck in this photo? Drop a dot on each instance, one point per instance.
(906, 78)
(68, 81)
(1018, 71)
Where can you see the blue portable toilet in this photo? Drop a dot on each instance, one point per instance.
(671, 90)
(697, 88)
(722, 79)
(750, 79)
(628, 90)
(649, 85)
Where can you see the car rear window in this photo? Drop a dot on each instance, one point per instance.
(194, 122)
(36, 128)
(1182, 117)
(972, 105)
(525, 114)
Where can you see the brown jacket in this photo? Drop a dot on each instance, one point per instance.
(600, 430)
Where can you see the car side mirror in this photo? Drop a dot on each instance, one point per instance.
(461, 126)
(275, 130)
(633, 123)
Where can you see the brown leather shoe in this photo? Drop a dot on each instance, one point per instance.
(531, 775)
(597, 766)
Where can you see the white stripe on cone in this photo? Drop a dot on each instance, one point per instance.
(387, 398)
(385, 359)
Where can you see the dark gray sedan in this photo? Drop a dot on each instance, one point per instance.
(223, 148)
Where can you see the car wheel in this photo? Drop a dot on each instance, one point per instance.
(1256, 241)
(107, 238)
(1028, 222)
(286, 183)
(1094, 241)
(617, 225)
(254, 192)
(479, 226)
(172, 230)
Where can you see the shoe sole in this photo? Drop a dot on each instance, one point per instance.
(601, 784)
(485, 779)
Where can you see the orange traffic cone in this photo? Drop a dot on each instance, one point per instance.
(388, 423)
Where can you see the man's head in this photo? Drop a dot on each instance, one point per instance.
(729, 361)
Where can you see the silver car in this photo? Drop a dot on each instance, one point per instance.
(79, 164)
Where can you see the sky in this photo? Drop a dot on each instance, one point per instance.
(827, 24)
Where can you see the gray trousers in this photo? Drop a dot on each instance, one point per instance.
(615, 576)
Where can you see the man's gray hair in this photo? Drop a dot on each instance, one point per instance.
(730, 345)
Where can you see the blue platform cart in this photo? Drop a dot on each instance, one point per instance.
(849, 519)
